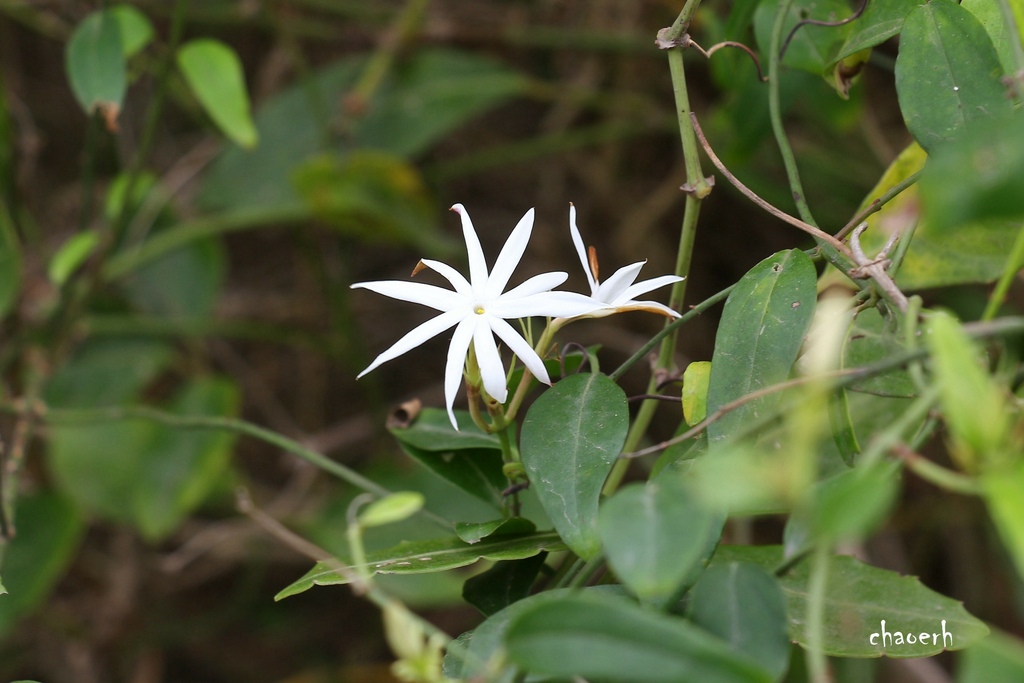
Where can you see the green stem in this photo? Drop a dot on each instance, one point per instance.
(775, 113)
(1013, 264)
(126, 262)
(817, 662)
(697, 187)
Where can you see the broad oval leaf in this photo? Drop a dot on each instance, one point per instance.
(214, 73)
(436, 555)
(571, 437)
(947, 73)
(95, 62)
(763, 326)
(655, 536)
(743, 605)
(610, 639)
(859, 597)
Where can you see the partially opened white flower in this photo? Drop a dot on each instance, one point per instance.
(619, 292)
(478, 310)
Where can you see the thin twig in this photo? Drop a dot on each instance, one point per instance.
(815, 232)
(690, 42)
(818, 22)
(877, 268)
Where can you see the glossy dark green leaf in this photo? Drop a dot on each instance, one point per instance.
(478, 472)
(977, 177)
(571, 437)
(433, 431)
(438, 555)
(214, 73)
(947, 73)
(743, 605)
(858, 598)
(95, 62)
(655, 535)
(503, 584)
(49, 530)
(481, 651)
(474, 532)
(612, 640)
(762, 330)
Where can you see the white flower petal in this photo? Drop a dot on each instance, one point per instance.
(492, 372)
(457, 350)
(536, 284)
(510, 256)
(417, 293)
(545, 304)
(475, 253)
(610, 291)
(641, 288)
(520, 348)
(581, 249)
(416, 336)
(453, 276)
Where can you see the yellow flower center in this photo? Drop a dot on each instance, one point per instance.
(478, 309)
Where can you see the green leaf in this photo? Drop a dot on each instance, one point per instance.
(95, 62)
(976, 177)
(609, 639)
(474, 532)
(762, 330)
(179, 468)
(973, 406)
(655, 536)
(870, 341)
(988, 13)
(571, 437)
(214, 73)
(947, 73)
(468, 458)
(881, 20)
(1001, 490)
(72, 254)
(106, 372)
(695, 391)
(503, 584)
(480, 652)
(858, 598)
(427, 96)
(136, 30)
(972, 253)
(852, 504)
(391, 508)
(812, 47)
(49, 530)
(743, 605)
(422, 557)
(433, 431)
(997, 657)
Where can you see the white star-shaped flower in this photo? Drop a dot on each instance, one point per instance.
(478, 309)
(619, 292)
